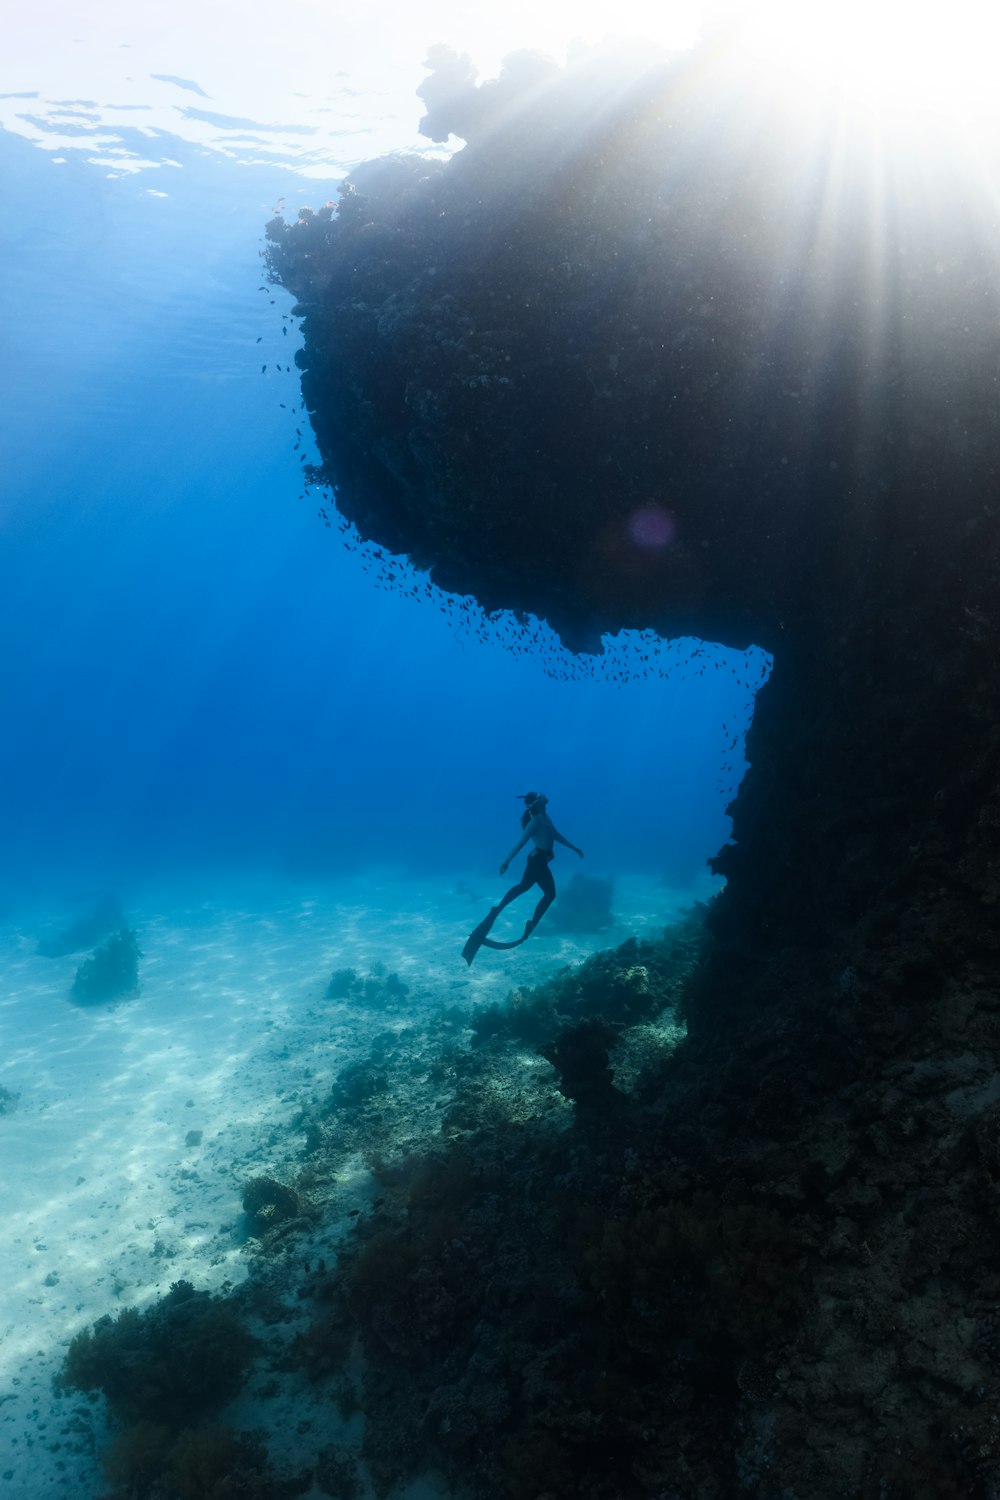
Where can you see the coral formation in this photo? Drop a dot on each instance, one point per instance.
(208, 1462)
(527, 339)
(268, 1204)
(215, 1463)
(163, 1372)
(182, 1358)
(111, 972)
(632, 983)
(378, 990)
(336, 1475)
(342, 982)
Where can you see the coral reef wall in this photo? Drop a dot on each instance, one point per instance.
(649, 351)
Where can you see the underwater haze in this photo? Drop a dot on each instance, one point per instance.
(199, 674)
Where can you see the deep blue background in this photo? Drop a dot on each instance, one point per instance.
(196, 673)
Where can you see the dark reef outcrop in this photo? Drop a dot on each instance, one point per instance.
(164, 1373)
(110, 973)
(615, 365)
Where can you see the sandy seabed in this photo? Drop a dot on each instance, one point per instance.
(136, 1125)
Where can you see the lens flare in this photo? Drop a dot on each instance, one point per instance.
(651, 527)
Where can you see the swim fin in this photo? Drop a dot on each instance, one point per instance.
(478, 936)
(529, 928)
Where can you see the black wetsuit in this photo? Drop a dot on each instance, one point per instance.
(536, 872)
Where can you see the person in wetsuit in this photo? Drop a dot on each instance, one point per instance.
(538, 827)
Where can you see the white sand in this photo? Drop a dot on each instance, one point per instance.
(104, 1204)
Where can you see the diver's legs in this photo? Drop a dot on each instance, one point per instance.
(541, 909)
(494, 911)
(544, 879)
(516, 890)
(536, 872)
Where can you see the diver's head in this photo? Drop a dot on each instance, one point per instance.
(535, 803)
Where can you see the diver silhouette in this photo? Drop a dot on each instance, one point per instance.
(539, 827)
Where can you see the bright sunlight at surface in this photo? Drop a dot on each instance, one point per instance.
(315, 86)
(320, 88)
(880, 57)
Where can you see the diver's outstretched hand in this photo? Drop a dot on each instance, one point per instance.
(503, 867)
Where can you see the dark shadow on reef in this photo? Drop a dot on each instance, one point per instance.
(647, 353)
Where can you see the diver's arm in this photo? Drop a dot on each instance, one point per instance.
(560, 840)
(526, 835)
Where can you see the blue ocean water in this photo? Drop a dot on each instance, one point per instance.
(198, 673)
(207, 691)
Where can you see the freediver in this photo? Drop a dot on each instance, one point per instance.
(539, 827)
